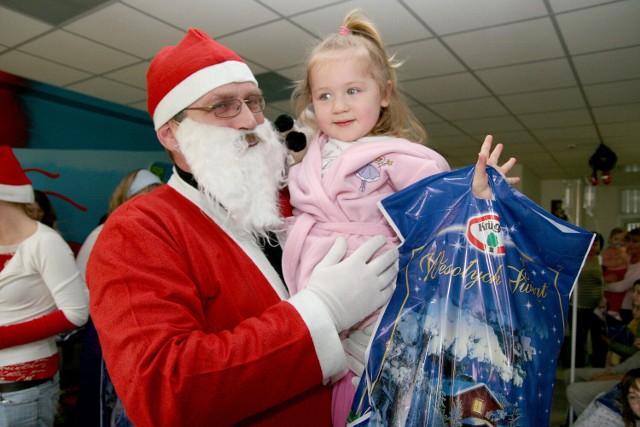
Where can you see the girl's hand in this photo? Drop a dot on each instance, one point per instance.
(480, 187)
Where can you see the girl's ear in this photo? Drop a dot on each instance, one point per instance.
(386, 94)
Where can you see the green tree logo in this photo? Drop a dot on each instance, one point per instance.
(492, 242)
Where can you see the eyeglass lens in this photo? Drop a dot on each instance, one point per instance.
(232, 107)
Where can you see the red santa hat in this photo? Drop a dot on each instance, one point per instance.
(179, 75)
(14, 184)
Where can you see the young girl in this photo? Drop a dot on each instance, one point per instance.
(615, 261)
(631, 398)
(618, 407)
(632, 274)
(367, 146)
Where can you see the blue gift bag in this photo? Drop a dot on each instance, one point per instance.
(473, 331)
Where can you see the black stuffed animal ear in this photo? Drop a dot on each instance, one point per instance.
(294, 139)
(283, 123)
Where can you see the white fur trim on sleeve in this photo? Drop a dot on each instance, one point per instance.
(323, 333)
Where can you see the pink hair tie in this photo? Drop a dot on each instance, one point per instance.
(343, 31)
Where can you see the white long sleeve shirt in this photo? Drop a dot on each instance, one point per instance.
(40, 278)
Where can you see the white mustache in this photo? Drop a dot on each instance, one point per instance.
(232, 174)
(252, 139)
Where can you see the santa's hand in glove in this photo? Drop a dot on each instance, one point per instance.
(353, 288)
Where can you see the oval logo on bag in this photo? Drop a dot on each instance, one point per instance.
(485, 233)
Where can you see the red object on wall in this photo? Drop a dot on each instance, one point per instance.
(14, 122)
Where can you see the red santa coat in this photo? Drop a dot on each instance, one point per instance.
(192, 332)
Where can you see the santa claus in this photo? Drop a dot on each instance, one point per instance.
(196, 325)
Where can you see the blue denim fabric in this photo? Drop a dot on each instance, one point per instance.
(119, 417)
(111, 408)
(35, 406)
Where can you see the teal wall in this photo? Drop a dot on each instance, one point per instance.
(62, 119)
(91, 143)
(87, 176)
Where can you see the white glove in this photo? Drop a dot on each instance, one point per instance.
(355, 346)
(353, 288)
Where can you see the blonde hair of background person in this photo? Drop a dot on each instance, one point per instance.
(395, 119)
(128, 187)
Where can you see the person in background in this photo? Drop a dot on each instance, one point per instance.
(589, 382)
(42, 210)
(629, 342)
(367, 146)
(136, 182)
(631, 398)
(42, 294)
(630, 276)
(622, 340)
(557, 209)
(615, 262)
(94, 381)
(616, 407)
(590, 294)
(615, 259)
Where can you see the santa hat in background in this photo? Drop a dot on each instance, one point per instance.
(14, 184)
(180, 75)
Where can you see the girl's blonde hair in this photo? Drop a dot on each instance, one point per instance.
(121, 192)
(359, 36)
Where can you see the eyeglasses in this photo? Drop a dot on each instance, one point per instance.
(230, 108)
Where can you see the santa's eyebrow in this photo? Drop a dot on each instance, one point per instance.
(222, 96)
(228, 95)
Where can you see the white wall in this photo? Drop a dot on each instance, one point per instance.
(605, 215)
(529, 184)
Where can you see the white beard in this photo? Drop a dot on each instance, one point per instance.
(243, 180)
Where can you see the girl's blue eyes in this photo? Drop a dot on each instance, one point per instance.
(350, 91)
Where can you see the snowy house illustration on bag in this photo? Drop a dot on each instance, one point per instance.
(471, 402)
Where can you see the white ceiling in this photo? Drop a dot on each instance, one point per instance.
(550, 79)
